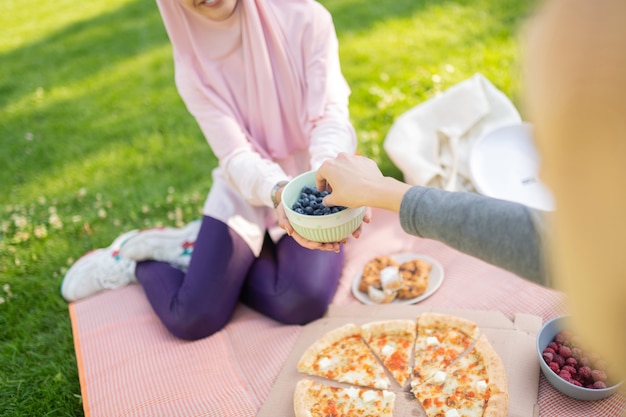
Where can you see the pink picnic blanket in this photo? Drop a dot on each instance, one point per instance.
(129, 365)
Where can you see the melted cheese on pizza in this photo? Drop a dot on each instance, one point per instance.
(320, 400)
(350, 360)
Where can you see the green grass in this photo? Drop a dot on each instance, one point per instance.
(95, 141)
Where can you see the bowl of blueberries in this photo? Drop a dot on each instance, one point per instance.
(310, 218)
(569, 367)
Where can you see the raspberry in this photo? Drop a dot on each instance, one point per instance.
(584, 361)
(548, 357)
(560, 338)
(577, 353)
(556, 368)
(560, 360)
(565, 375)
(569, 369)
(577, 383)
(571, 362)
(565, 351)
(601, 364)
(599, 385)
(553, 346)
(598, 375)
(584, 372)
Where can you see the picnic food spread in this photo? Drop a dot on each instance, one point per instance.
(385, 279)
(449, 367)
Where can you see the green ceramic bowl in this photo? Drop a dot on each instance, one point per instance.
(328, 228)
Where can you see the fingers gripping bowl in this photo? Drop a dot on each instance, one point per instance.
(323, 228)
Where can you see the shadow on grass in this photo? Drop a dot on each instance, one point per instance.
(92, 112)
(58, 105)
(55, 94)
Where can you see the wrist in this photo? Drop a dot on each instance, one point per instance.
(389, 194)
(276, 193)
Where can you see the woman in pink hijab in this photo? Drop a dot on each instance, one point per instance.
(263, 80)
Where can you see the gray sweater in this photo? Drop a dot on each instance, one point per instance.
(502, 233)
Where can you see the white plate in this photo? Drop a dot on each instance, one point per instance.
(504, 164)
(434, 280)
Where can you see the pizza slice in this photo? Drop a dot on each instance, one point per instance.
(441, 338)
(342, 355)
(314, 399)
(392, 341)
(474, 386)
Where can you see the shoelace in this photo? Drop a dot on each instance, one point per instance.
(117, 276)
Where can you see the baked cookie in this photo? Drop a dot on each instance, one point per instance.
(415, 274)
(371, 272)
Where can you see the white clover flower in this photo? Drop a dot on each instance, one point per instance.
(21, 236)
(40, 231)
(20, 221)
(7, 289)
(55, 221)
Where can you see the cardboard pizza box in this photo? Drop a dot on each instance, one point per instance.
(513, 340)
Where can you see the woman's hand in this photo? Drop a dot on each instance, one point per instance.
(284, 224)
(356, 181)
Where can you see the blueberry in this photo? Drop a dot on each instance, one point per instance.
(311, 203)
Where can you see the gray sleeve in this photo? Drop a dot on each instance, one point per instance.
(502, 233)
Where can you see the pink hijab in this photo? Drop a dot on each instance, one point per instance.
(261, 78)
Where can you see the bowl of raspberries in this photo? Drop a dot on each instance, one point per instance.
(569, 367)
(310, 218)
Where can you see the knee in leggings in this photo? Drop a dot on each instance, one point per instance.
(302, 308)
(197, 326)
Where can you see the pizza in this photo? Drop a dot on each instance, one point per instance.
(317, 399)
(441, 338)
(450, 369)
(474, 386)
(392, 342)
(343, 356)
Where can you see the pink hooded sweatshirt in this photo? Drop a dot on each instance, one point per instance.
(266, 88)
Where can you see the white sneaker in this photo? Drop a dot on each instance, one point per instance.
(99, 270)
(165, 244)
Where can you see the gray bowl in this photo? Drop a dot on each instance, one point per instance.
(545, 336)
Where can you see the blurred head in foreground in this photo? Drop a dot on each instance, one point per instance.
(576, 98)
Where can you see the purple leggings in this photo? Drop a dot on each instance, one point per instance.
(287, 282)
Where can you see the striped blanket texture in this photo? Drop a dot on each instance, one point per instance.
(129, 365)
